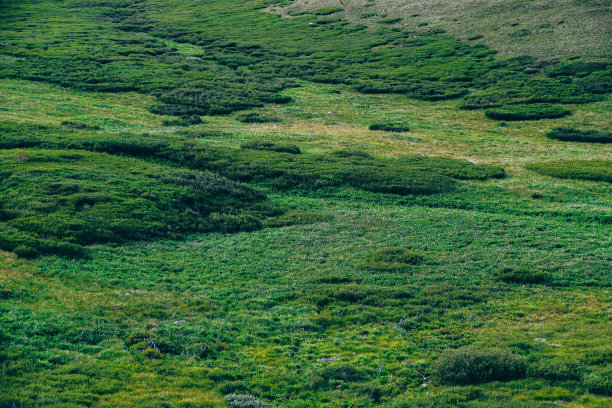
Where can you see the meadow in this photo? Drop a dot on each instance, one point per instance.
(274, 203)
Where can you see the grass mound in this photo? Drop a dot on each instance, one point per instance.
(595, 170)
(577, 135)
(254, 117)
(185, 120)
(408, 175)
(522, 275)
(535, 111)
(273, 147)
(469, 365)
(325, 11)
(54, 201)
(392, 259)
(390, 127)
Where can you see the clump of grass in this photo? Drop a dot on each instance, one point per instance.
(185, 120)
(273, 147)
(471, 365)
(79, 125)
(599, 382)
(595, 170)
(245, 401)
(390, 127)
(54, 201)
(391, 20)
(535, 111)
(325, 11)
(254, 117)
(522, 275)
(577, 135)
(392, 259)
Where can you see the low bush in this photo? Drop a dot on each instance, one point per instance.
(186, 120)
(294, 218)
(245, 401)
(558, 370)
(576, 135)
(324, 11)
(389, 127)
(79, 125)
(522, 275)
(254, 117)
(392, 259)
(595, 170)
(56, 200)
(599, 382)
(471, 365)
(533, 111)
(273, 147)
(391, 20)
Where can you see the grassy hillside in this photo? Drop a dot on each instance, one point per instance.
(214, 206)
(546, 29)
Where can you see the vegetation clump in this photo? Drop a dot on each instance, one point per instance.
(390, 127)
(535, 111)
(57, 200)
(272, 147)
(471, 365)
(185, 120)
(577, 135)
(392, 259)
(522, 275)
(599, 382)
(324, 11)
(254, 117)
(595, 170)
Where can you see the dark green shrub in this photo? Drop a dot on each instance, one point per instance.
(389, 127)
(595, 170)
(522, 275)
(392, 259)
(254, 117)
(599, 382)
(79, 126)
(186, 120)
(534, 111)
(391, 20)
(558, 370)
(324, 11)
(274, 147)
(471, 365)
(576, 135)
(245, 401)
(27, 252)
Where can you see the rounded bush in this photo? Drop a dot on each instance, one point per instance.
(576, 135)
(534, 111)
(23, 251)
(390, 127)
(594, 170)
(522, 275)
(599, 382)
(470, 365)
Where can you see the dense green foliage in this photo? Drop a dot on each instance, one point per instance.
(527, 112)
(522, 275)
(473, 366)
(576, 135)
(57, 200)
(165, 254)
(245, 57)
(390, 127)
(596, 170)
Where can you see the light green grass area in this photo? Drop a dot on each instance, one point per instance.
(308, 286)
(546, 29)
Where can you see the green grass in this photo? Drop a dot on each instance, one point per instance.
(596, 170)
(305, 260)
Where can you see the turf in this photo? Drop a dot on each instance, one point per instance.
(195, 212)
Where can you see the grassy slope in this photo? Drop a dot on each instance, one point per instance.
(251, 298)
(546, 29)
